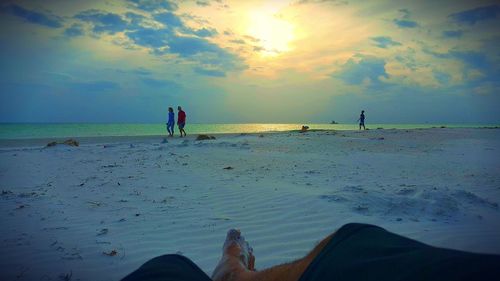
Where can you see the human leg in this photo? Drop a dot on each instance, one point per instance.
(171, 129)
(181, 129)
(237, 262)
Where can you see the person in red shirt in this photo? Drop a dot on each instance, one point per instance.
(181, 120)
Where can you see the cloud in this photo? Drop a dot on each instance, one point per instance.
(172, 21)
(209, 72)
(473, 16)
(33, 16)
(135, 20)
(452, 33)
(103, 21)
(205, 32)
(258, 49)
(479, 71)
(251, 38)
(402, 23)
(363, 70)
(215, 60)
(442, 77)
(74, 31)
(154, 5)
(151, 38)
(237, 41)
(406, 13)
(384, 42)
(203, 3)
(189, 46)
(436, 54)
(407, 59)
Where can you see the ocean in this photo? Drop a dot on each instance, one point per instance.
(63, 130)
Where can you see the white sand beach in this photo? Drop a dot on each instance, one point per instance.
(62, 208)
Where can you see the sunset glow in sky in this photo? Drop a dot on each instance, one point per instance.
(250, 61)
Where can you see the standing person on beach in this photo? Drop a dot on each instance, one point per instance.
(181, 120)
(362, 120)
(171, 122)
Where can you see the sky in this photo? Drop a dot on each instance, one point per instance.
(295, 61)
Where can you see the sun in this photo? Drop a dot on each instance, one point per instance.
(274, 34)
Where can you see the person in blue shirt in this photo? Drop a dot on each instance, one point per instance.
(171, 122)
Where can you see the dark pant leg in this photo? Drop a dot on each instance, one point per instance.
(369, 253)
(168, 268)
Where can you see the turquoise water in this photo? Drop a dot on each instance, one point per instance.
(35, 131)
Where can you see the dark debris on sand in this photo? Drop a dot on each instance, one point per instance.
(70, 142)
(204, 137)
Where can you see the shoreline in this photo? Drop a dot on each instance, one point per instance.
(42, 142)
(13, 131)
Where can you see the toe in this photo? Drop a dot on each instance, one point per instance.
(251, 261)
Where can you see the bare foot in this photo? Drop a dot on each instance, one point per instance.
(237, 258)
